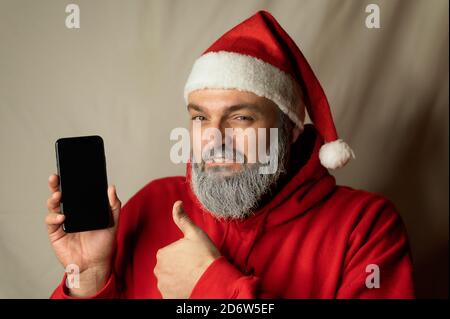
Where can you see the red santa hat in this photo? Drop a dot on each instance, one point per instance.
(258, 56)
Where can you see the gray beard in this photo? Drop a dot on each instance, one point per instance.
(238, 195)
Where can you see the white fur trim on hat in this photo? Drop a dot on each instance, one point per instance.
(335, 154)
(229, 70)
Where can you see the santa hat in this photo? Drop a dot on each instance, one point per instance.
(258, 56)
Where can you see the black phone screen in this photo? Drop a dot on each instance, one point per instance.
(83, 183)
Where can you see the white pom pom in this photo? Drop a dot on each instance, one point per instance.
(335, 154)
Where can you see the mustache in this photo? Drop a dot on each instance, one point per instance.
(223, 152)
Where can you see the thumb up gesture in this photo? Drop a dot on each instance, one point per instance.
(180, 264)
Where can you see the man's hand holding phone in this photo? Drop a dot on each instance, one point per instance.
(91, 251)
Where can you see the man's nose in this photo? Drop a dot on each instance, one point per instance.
(219, 136)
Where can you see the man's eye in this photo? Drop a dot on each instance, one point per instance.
(244, 118)
(198, 118)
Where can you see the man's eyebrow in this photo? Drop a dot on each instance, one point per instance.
(239, 107)
(194, 107)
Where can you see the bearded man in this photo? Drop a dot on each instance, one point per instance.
(226, 230)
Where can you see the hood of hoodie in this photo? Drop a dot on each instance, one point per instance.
(306, 184)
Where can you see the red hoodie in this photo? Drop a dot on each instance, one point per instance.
(313, 239)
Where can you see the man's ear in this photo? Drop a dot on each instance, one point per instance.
(295, 133)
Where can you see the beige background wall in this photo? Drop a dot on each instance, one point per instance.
(122, 73)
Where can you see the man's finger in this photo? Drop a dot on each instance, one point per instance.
(182, 220)
(53, 183)
(53, 221)
(54, 200)
(114, 203)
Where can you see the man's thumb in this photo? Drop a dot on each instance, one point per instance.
(182, 220)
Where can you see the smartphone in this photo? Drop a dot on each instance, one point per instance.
(83, 183)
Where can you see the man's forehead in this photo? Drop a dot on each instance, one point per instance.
(228, 101)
